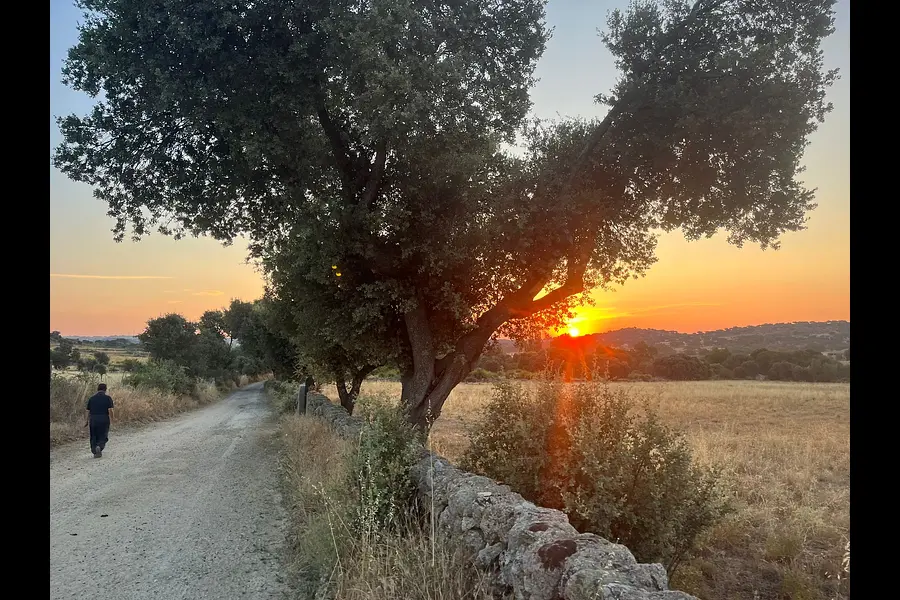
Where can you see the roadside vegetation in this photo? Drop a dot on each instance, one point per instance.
(355, 530)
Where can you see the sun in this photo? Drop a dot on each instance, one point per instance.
(573, 331)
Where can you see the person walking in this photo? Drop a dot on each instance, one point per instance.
(99, 414)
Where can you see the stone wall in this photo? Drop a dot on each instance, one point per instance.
(530, 550)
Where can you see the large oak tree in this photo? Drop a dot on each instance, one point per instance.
(367, 135)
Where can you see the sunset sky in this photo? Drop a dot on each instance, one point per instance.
(99, 287)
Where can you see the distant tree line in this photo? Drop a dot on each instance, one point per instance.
(828, 336)
(247, 338)
(66, 354)
(125, 343)
(221, 346)
(73, 352)
(582, 358)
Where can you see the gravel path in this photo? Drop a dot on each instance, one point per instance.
(184, 509)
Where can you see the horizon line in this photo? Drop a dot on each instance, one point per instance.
(114, 335)
(78, 276)
(703, 330)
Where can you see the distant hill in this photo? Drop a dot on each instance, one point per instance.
(826, 336)
(111, 340)
(104, 338)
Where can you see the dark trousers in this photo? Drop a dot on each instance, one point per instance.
(99, 431)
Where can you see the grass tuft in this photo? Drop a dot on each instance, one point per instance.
(332, 557)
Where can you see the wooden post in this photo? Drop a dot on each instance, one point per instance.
(301, 399)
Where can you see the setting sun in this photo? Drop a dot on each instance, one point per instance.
(573, 331)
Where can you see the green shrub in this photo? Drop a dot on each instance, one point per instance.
(224, 384)
(639, 376)
(505, 445)
(781, 371)
(681, 367)
(481, 375)
(391, 373)
(490, 363)
(130, 365)
(613, 470)
(380, 473)
(283, 394)
(162, 375)
(519, 374)
(247, 365)
(718, 371)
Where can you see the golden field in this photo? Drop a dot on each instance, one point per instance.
(784, 452)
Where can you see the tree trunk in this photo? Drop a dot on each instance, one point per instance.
(348, 396)
(428, 385)
(424, 405)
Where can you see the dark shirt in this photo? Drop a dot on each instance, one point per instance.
(99, 404)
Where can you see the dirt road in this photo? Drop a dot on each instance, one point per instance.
(184, 509)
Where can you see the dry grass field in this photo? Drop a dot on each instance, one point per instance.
(113, 379)
(784, 450)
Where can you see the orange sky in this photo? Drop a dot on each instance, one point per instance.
(694, 286)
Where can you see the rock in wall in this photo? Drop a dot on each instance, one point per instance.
(530, 550)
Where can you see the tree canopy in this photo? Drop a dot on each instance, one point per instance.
(359, 146)
(171, 337)
(64, 354)
(200, 350)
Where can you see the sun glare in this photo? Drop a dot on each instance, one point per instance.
(573, 331)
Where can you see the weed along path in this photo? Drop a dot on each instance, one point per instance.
(184, 509)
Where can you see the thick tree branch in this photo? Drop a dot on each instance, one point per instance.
(519, 304)
(348, 396)
(343, 393)
(375, 175)
(601, 130)
(361, 375)
(418, 332)
(699, 8)
(343, 156)
(574, 284)
(625, 101)
(449, 370)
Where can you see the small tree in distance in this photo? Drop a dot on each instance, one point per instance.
(130, 365)
(171, 337)
(680, 367)
(102, 358)
(64, 354)
(88, 364)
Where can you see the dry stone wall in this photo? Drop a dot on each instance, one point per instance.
(530, 550)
